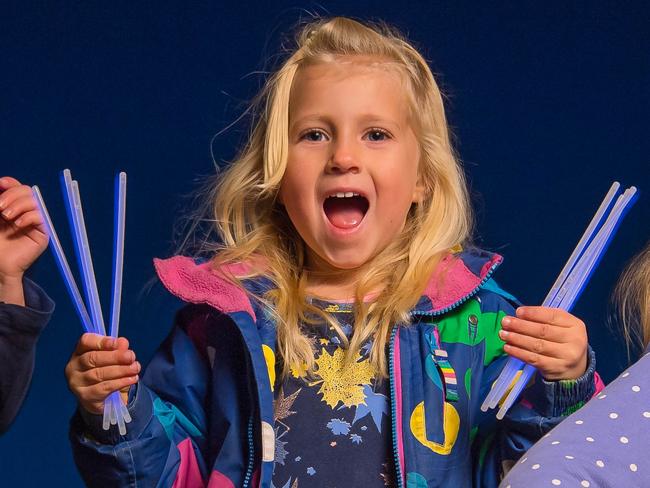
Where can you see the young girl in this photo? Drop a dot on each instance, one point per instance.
(343, 334)
(607, 442)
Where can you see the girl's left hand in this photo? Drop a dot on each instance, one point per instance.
(552, 340)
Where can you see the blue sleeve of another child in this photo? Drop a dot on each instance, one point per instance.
(20, 328)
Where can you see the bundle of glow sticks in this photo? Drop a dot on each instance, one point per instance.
(566, 290)
(115, 412)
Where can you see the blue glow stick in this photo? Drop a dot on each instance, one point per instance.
(114, 410)
(584, 240)
(608, 230)
(83, 249)
(118, 251)
(513, 365)
(565, 283)
(582, 272)
(62, 263)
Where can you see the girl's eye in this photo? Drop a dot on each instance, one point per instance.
(314, 136)
(377, 135)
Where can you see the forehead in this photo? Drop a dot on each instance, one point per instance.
(347, 82)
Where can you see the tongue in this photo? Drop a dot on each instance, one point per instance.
(345, 212)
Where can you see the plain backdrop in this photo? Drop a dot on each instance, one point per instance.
(548, 102)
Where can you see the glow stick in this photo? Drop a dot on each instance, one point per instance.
(114, 408)
(118, 252)
(582, 242)
(87, 268)
(603, 239)
(513, 365)
(501, 384)
(62, 263)
(569, 285)
(115, 412)
(581, 273)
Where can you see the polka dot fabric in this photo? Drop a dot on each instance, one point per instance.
(604, 444)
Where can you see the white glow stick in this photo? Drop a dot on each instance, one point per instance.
(86, 262)
(61, 260)
(512, 366)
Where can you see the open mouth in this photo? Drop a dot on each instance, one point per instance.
(345, 210)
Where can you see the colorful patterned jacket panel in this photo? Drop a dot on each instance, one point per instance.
(203, 412)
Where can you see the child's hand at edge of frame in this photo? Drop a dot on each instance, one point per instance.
(22, 237)
(99, 366)
(551, 339)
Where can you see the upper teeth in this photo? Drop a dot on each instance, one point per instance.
(347, 194)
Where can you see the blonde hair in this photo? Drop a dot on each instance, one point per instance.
(632, 299)
(254, 227)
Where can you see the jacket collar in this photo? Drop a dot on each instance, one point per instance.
(462, 273)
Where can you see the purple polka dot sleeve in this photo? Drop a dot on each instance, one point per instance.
(604, 444)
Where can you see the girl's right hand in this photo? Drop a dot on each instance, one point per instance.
(99, 366)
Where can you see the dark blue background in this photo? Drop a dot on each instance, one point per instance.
(549, 105)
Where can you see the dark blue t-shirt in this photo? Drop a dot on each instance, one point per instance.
(333, 429)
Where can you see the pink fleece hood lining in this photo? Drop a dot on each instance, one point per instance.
(458, 281)
(201, 283)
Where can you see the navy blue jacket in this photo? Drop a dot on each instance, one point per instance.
(20, 328)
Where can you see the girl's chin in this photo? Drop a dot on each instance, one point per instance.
(344, 262)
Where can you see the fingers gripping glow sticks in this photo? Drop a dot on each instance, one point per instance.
(565, 291)
(115, 412)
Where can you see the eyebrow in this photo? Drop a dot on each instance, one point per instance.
(365, 118)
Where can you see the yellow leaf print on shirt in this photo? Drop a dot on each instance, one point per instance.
(342, 383)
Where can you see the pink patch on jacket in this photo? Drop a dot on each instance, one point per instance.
(188, 474)
(457, 279)
(219, 480)
(600, 385)
(201, 284)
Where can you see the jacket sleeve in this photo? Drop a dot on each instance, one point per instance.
(543, 405)
(166, 440)
(20, 328)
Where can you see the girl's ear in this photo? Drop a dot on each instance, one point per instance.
(419, 192)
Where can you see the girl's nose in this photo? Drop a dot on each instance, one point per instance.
(343, 159)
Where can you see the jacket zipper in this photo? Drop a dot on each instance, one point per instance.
(391, 368)
(393, 405)
(251, 447)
